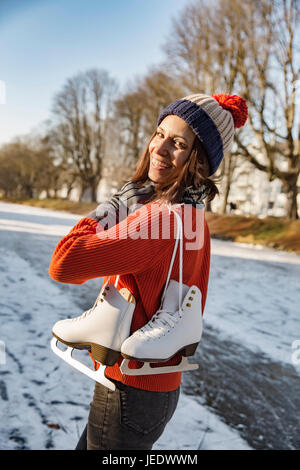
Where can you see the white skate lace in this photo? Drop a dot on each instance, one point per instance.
(83, 315)
(90, 310)
(87, 312)
(159, 321)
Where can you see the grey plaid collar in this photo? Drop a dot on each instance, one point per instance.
(192, 195)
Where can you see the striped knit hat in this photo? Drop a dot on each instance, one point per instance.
(213, 119)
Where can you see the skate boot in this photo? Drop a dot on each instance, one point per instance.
(173, 329)
(101, 330)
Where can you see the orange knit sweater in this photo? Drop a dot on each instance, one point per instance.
(139, 249)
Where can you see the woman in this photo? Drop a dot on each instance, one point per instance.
(191, 139)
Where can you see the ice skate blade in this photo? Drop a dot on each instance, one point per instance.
(97, 375)
(146, 369)
(105, 356)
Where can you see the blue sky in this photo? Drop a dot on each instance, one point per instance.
(44, 42)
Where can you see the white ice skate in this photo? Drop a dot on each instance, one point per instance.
(101, 329)
(175, 328)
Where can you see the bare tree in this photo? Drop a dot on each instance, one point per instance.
(82, 110)
(9, 178)
(271, 91)
(26, 168)
(129, 114)
(158, 89)
(57, 143)
(137, 110)
(249, 48)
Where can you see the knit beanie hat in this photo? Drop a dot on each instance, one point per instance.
(213, 120)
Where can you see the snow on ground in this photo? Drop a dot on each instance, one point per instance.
(253, 298)
(265, 286)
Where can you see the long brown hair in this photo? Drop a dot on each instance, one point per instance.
(194, 173)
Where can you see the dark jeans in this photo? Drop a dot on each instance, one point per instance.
(128, 418)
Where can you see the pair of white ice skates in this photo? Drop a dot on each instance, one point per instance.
(105, 329)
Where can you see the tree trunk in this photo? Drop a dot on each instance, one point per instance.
(93, 187)
(70, 186)
(81, 192)
(291, 205)
(225, 198)
(229, 166)
(28, 191)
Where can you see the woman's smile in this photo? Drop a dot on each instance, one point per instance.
(158, 165)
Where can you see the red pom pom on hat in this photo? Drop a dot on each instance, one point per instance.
(236, 105)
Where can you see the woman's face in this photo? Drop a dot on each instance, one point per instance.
(170, 147)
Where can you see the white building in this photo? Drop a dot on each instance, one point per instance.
(253, 193)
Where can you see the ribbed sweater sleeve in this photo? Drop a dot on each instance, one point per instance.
(134, 245)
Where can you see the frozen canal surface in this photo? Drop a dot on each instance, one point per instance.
(245, 394)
